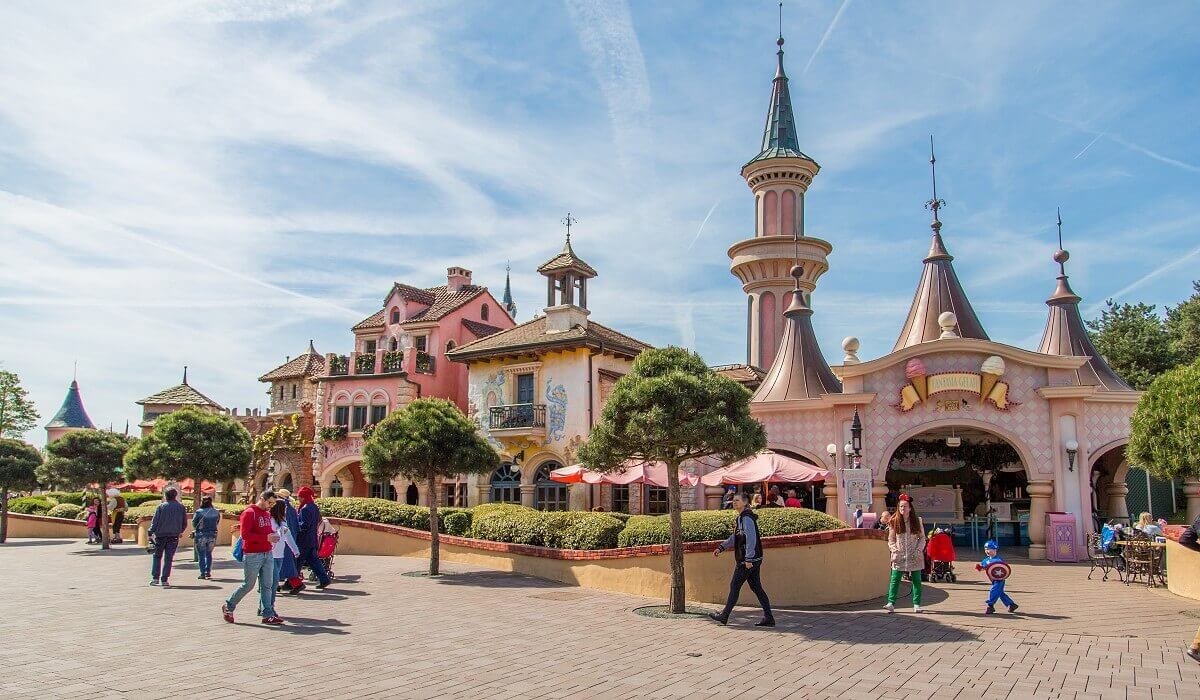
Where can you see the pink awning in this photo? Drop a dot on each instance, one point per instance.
(765, 466)
(575, 474)
(636, 472)
(187, 485)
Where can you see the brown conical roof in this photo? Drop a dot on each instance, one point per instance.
(799, 370)
(938, 291)
(1066, 335)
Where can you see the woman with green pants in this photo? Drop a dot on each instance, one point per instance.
(906, 542)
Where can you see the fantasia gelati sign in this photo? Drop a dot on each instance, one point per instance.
(985, 383)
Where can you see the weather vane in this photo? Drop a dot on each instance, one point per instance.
(934, 204)
(568, 221)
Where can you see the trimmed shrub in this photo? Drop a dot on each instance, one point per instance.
(515, 524)
(710, 525)
(623, 517)
(65, 510)
(133, 499)
(789, 521)
(458, 524)
(383, 511)
(30, 505)
(581, 530)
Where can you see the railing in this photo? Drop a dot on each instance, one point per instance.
(364, 364)
(425, 363)
(522, 415)
(339, 365)
(393, 361)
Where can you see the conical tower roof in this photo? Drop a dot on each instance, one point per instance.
(1066, 335)
(939, 290)
(72, 414)
(509, 305)
(799, 370)
(779, 134)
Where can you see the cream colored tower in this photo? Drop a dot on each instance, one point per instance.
(778, 176)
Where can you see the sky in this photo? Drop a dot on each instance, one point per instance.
(213, 183)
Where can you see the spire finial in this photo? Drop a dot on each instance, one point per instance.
(185, 374)
(312, 349)
(568, 221)
(75, 369)
(934, 204)
(1061, 256)
(781, 23)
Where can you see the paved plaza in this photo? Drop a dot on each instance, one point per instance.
(80, 624)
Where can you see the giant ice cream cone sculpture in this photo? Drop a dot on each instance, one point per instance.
(992, 370)
(915, 372)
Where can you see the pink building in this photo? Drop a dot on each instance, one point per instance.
(399, 355)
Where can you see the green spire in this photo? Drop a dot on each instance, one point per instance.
(779, 135)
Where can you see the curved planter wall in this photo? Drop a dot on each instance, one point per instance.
(820, 568)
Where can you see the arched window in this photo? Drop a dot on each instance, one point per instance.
(771, 214)
(393, 344)
(551, 495)
(287, 482)
(506, 484)
(395, 315)
(412, 495)
(381, 490)
(483, 312)
(335, 489)
(788, 215)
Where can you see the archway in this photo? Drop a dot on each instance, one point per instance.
(412, 495)
(1122, 491)
(966, 476)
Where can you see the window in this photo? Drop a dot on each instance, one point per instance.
(620, 498)
(378, 490)
(287, 483)
(483, 312)
(360, 418)
(369, 347)
(335, 489)
(378, 413)
(393, 344)
(455, 495)
(525, 388)
(341, 416)
(656, 501)
(281, 392)
(422, 342)
(506, 484)
(449, 345)
(551, 495)
(293, 391)
(395, 315)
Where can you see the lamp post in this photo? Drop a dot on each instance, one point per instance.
(851, 459)
(1072, 448)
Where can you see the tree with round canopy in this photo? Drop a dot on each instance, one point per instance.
(82, 458)
(1165, 436)
(18, 472)
(192, 444)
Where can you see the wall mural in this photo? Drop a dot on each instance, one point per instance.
(556, 412)
(487, 393)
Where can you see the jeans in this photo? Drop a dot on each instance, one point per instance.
(894, 587)
(204, 550)
(164, 552)
(308, 555)
(997, 593)
(256, 567)
(275, 588)
(753, 576)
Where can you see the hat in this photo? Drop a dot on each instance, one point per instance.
(305, 492)
(283, 492)
(991, 544)
(113, 492)
(905, 497)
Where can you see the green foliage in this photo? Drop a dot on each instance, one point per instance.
(17, 413)
(379, 510)
(1183, 325)
(69, 511)
(581, 530)
(714, 525)
(333, 433)
(18, 465)
(192, 444)
(428, 438)
(1165, 437)
(789, 521)
(515, 524)
(132, 498)
(29, 505)
(84, 457)
(458, 524)
(285, 436)
(671, 407)
(1134, 341)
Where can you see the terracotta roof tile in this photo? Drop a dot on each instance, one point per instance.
(532, 336)
(444, 302)
(567, 259)
(747, 375)
(182, 395)
(375, 320)
(481, 330)
(310, 364)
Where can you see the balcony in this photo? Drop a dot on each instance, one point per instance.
(364, 364)
(518, 419)
(339, 365)
(425, 363)
(393, 361)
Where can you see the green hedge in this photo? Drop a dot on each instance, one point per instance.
(29, 505)
(379, 510)
(509, 523)
(789, 521)
(581, 530)
(708, 525)
(70, 511)
(458, 524)
(132, 498)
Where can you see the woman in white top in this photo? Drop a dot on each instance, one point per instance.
(286, 540)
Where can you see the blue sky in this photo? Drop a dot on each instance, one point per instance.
(214, 183)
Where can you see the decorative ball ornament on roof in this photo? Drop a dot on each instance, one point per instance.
(1061, 256)
(948, 322)
(850, 346)
(797, 273)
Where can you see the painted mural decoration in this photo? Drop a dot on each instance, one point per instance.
(985, 383)
(484, 396)
(556, 412)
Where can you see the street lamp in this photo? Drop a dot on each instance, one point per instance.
(856, 435)
(1072, 448)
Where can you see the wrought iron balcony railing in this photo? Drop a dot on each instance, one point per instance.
(521, 415)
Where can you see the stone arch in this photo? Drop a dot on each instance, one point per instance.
(530, 466)
(340, 470)
(341, 396)
(1101, 452)
(880, 468)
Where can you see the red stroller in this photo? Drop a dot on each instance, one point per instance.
(327, 539)
(940, 552)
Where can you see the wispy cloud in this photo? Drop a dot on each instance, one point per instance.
(825, 37)
(703, 224)
(1146, 278)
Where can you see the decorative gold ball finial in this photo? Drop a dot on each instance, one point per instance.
(1061, 256)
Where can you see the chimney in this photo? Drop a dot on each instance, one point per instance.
(457, 278)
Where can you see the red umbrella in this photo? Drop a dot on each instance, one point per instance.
(765, 466)
(575, 474)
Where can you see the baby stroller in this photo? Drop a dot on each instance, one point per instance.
(940, 552)
(327, 539)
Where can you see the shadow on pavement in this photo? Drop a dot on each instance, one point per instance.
(495, 579)
(116, 551)
(877, 628)
(32, 543)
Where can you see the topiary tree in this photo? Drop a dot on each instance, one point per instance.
(18, 467)
(192, 444)
(85, 457)
(1165, 438)
(429, 439)
(672, 408)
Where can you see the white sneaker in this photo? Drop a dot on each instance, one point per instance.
(918, 609)
(889, 608)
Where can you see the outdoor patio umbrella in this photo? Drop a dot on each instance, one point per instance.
(575, 474)
(652, 473)
(187, 485)
(765, 466)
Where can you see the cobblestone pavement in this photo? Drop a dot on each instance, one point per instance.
(76, 623)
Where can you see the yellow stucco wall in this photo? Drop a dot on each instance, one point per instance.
(37, 526)
(822, 574)
(1183, 570)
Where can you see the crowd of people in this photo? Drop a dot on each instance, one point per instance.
(754, 496)
(276, 539)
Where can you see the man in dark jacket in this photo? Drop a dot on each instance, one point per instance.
(170, 520)
(747, 550)
(310, 521)
(1191, 539)
(289, 571)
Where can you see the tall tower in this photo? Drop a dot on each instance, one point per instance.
(509, 305)
(778, 176)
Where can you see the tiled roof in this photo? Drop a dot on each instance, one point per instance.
(532, 336)
(182, 395)
(567, 259)
(310, 364)
(375, 320)
(72, 414)
(779, 135)
(439, 300)
(481, 330)
(746, 375)
(799, 370)
(411, 293)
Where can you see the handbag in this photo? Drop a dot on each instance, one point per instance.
(151, 545)
(237, 549)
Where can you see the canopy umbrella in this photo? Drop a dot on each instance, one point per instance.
(187, 485)
(765, 466)
(148, 484)
(575, 474)
(652, 473)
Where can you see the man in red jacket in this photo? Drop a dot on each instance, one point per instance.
(258, 535)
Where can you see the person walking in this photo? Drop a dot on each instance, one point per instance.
(747, 553)
(116, 509)
(93, 523)
(291, 566)
(258, 565)
(286, 544)
(168, 523)
(1190, 538)
(204, 529)
(906, 542)
(310, 523)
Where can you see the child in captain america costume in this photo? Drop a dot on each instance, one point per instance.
(997, 572)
